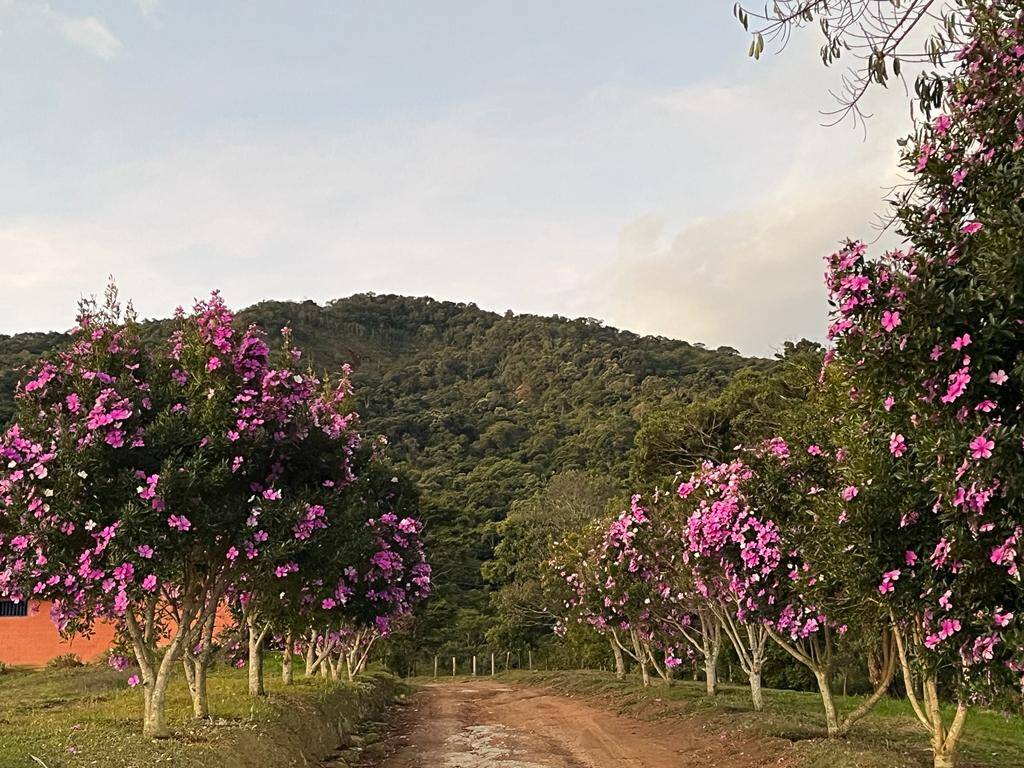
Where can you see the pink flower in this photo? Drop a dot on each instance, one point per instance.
(149, 583)
(814, 450)
(850, 492)
(232, 554)
(890, 320)
(179, 522)
(145, 551)
(971, 227)
(958, 381)
(981, 447)
(890, 401)
(133, 681)
(1002, 619)
(910, 557)
(960, 342)
(998, 377)
(889, 579)
(897, 445)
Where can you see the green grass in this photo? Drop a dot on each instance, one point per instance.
(87, 716)
(888, 737)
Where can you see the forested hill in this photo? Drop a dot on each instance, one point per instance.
(480, 408)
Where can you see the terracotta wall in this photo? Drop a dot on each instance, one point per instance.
(33, 640)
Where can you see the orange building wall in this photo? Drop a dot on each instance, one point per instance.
(33, 640)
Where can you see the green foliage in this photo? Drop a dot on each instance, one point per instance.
(65, 661)
(678, 436)
(567, 503)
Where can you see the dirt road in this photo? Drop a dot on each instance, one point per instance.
(484, 724)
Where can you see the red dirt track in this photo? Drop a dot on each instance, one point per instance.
(486, 724)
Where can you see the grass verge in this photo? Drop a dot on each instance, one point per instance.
(888, 737)
(87, 716)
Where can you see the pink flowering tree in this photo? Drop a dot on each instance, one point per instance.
(142, 482)
(811, 599)
(366, 576)
(735, 557)
(630, 589)
(571, 580)
(931, 339)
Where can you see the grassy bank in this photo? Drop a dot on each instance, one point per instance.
(886, 738)
(87, 716)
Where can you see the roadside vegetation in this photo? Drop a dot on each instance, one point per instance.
(75, 717)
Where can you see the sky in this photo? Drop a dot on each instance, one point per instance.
(616, 160)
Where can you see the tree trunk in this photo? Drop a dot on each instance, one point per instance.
(824, 680)
(756, 698)
(711, 674)
(620, 665)
(154, 720)
(712, 647)
(311, 653)
(287, 671)
(155, 668)
(256, 638)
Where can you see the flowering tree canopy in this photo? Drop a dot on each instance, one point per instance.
(141, 483)
(931, 341)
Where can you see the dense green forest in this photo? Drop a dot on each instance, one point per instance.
(482, 409)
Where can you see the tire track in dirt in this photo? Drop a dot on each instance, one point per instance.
(486, 724)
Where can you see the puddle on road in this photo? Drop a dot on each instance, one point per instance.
(482, 746)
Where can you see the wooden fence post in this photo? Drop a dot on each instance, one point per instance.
(474, 665)
(435, 666)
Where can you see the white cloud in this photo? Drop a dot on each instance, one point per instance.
(89, 33)
(86, 32)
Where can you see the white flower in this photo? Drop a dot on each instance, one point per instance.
(90, 525)
(83, 474)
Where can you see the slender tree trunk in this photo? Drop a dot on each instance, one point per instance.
(156, 668)
(824, 680)
(756, 697)
(154, 723)
(311, 653)
(711, 647)
(256, 638)
(711, 674)
(929, 713)
(287, 671)
(620, 665)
